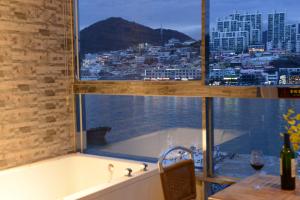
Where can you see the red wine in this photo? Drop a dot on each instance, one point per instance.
(257, 167)
(287, 165)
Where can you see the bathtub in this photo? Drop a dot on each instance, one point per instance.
(79, 176)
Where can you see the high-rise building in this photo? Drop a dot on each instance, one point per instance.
(236, 32)
(276, 30)
(298, 38)
(290, 37)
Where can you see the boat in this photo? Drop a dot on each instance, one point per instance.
(96, 136)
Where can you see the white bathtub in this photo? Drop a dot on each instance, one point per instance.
(78, 176)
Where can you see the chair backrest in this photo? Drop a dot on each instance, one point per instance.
(178, 179)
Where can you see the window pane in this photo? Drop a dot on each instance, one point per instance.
(141, 127)
(130, 40)
(249, 124)
(254, 43)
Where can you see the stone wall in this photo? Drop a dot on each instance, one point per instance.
(36, 118)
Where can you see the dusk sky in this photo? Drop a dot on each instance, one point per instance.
(181, 15)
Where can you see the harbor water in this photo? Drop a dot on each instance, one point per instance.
(259, 120)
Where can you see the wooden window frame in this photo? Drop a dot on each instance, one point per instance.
(178, 89)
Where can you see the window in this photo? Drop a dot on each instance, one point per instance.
(254, 43)
(138, 127)
(139, 41)
(235, 59)
(243, 125)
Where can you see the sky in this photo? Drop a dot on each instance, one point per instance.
(180, 15)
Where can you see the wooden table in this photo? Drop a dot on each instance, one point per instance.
(270, 190)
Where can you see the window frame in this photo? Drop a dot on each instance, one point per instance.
(173, 88)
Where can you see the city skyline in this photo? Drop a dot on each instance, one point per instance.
(225, 8)
(239, 31)
(155, 13)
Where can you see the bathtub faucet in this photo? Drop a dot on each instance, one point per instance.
(111, 168)
(128, 172)
(145, 167)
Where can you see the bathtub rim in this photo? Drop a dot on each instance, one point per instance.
(97, 190)
(118, 183)
(41, 162)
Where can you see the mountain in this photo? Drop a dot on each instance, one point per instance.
(116, 33)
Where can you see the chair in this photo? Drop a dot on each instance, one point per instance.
(178, 179)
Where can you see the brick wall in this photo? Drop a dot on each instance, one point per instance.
(36, 120)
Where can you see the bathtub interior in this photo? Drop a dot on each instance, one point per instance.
(61, 177)
(99, 173)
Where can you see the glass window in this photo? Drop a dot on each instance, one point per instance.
(243, 125)
(250, 45)
(254, 43)
(130, 40)
(137, 127)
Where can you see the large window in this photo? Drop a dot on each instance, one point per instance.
(251, 50)
(251, 125)
(137, 127)
(153, 40)
(254, 43)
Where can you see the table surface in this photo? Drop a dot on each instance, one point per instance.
(270, 190)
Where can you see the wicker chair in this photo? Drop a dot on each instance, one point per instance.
(178, 179)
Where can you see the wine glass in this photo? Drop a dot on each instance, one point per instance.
(257, 163)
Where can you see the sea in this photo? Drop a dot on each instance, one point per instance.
(260, 120)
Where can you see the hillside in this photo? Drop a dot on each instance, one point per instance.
(117, 33)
